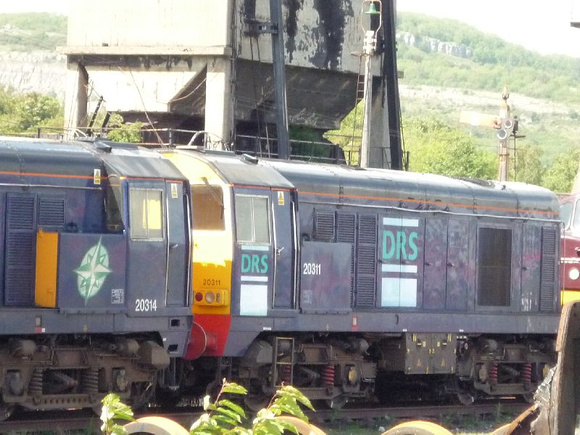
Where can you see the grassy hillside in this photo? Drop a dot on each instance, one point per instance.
(451, 67)
(32, 31)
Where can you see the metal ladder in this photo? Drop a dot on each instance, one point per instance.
(286, 367)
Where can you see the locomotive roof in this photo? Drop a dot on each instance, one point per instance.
(241, 170)
(417, 190)
(347, 184)
(24, 155)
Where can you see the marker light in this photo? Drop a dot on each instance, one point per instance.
(210, 297)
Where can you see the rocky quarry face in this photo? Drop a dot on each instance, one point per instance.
(43, 72)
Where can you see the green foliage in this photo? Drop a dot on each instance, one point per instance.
(24, 113)
(32, 31)
(560, 177)
(348, 137)
(122, 132)
(33, 109)
(527, 165)
(436, 148)
(113, 409)
(486, 62)
(224, 416)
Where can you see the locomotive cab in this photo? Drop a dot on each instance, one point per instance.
(570, 247)
(96, 272)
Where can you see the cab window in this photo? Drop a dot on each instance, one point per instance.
(252, 219)
(113, 204)
(146, 213)
(208, 207)
(576, 219)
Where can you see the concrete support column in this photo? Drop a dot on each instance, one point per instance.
(76, 99)
(218, 103)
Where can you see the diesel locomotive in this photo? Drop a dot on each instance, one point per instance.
(95, 283)
(347, 282)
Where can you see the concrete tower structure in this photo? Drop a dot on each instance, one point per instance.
(207, 66)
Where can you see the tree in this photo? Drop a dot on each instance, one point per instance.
(33, 109)
(527, 166)
(560, 177)
(437, 148)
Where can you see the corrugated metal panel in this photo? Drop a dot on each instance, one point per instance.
(366, 261)
(345, 232)
(20, 250)
(51, 212)
(345, 228)
(324, 225)
(548, 274)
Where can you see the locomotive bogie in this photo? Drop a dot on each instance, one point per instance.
(322, 369)
(53, 373)
(497, 367)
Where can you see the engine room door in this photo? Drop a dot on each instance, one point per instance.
(177, 244)
(284, 252)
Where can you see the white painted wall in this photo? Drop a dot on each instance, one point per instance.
(182, 23)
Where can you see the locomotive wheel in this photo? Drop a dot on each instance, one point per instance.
(141, 393)
(417, 428)
(528, 397)
(256, 401)
(6, 410)
(466, 398)
(338, 402)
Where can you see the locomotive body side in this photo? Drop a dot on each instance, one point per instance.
(95, 278)
(343, 280)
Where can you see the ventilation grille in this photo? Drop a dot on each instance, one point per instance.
(548, 297)
(366, 290)
(21, 212)
(345, 228)
(51, 212)
(368, 229)
(366, 261)
(20, 250)
(548, 241)
(324, 226)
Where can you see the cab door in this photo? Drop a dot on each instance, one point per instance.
(147, 249)
(284, 252)
(177, 243)
(253, 267)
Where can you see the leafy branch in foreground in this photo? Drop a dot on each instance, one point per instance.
(114, 409)
(226, 417)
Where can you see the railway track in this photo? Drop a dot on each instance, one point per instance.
(88, 423)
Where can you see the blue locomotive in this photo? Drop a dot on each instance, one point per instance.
(95, 277)
(346, 282)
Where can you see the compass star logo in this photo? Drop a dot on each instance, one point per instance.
(93, 271)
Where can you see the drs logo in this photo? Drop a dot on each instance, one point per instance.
(397, 245)
(254, 263)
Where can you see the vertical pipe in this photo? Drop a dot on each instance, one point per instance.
(280, 79)
(366, 127)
